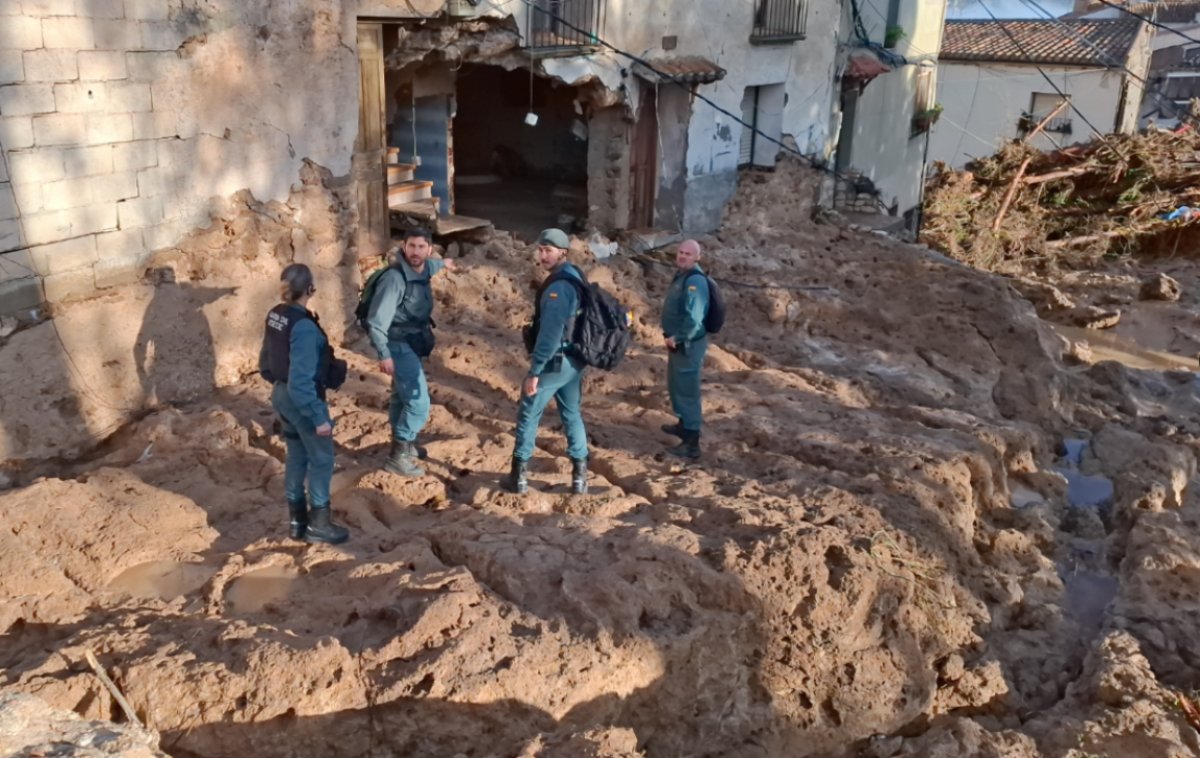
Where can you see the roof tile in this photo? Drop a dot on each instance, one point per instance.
(1041, 41)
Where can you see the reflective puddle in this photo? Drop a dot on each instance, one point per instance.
(255, 590)
(162, 579)
(1083, 490)
(1088, 594)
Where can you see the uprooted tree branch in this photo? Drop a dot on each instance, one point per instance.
(1023, 207)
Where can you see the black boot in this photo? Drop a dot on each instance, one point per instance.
(689, 447)
(322, 529)
(516, 481)
(675, 429)
(402, 460)
(579, 476)
(299, 514)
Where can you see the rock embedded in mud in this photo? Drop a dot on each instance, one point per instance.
(1092, 317)
(28, 726)
(1160, 287)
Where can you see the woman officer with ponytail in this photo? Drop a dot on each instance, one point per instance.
(297, 359)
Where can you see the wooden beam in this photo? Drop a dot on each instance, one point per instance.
(1012, 193)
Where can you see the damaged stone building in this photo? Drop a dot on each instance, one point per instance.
(128, 125)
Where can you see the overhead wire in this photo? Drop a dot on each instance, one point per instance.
(1151, 21)
(1029, 58)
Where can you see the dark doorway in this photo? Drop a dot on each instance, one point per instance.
(643, 168)
(522, 177)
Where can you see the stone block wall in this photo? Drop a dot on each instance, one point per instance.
(124, 123)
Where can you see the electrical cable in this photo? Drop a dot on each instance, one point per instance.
(1151, 21)
(1045, 76)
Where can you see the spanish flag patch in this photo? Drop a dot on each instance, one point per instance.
(553, 295)
(692, 288)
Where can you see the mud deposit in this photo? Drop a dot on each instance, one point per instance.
(876, 557)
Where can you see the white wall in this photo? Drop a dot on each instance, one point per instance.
(720, 31)
(984, 102)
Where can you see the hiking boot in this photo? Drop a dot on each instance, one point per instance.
(516, 481)
(675, 429)
(322, 529)
(299, 515)
(402, 460)
(689, 447)
(579, 476)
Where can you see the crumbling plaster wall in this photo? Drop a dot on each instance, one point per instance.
(122, 122)
(720, 31)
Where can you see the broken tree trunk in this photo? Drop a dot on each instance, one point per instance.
(1012, 192)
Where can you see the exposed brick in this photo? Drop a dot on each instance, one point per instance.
(131, 156)
(165, 235)
(102, 65)
(67, 193)
(58, 129)
(61, 257)
(103, 9)
(75, 285)
(12, 69)
(123, 243)
(16, 265)
(89, 97)
(121, 186)
(29, 197)
(152, 126)
(88, 161)
(44, 8)
(44, 228)
(160, 35)
(20, 295)
(69, 33)
(8, 203)
(117, 272)
(129, 97)
(10, 235)
(151, 66)
(146, 10)
(105, 130)
(16, 132)
(21, 33)
(142, 212)
(117, 34)
(26, 99)
(158, 181)
(51, 66)
(36, 166)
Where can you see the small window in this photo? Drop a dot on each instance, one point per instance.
(564, 24)
(779, 20)
(1042, 105)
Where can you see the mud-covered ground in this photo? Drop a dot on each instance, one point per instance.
(916, 531)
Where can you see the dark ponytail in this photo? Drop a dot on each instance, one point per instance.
(297, 281)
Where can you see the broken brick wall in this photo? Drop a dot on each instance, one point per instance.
(123, 123)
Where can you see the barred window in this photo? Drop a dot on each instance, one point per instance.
(779, 20)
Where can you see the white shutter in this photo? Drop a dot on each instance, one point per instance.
(749, 115)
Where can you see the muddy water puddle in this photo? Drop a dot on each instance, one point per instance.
(1083, 490)
(164, 580)
(1113, 347)
(1088, 595)
(255, 590)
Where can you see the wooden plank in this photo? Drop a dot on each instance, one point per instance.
(1012, 193)
(370, 145)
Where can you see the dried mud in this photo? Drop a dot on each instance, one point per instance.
(877, 556)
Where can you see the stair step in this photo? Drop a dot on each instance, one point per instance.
(400, 172)
(407, 192)
(426, 210)
(393, 155)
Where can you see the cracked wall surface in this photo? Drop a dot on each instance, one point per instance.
(125, 123)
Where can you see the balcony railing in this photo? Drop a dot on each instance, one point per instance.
(779, 20)
(565, 24)
(1057, 125)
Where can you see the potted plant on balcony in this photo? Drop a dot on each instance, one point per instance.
(892, 36)
(924, 120)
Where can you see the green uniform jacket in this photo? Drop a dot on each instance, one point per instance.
(558, 304)
(686, 306)
(402, 305)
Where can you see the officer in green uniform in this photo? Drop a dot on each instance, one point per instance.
(551, 372)
(293, 356)
(400, 326)
(686, 341)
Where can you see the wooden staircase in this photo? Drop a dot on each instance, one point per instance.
(411, 198)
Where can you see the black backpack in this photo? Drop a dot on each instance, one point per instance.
(599, 329)
(714, 318)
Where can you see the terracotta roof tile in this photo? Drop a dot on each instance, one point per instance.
(1044, 41)
(688, 68)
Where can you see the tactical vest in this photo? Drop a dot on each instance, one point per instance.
(281, 320)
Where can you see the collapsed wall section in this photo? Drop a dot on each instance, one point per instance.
(123, 123)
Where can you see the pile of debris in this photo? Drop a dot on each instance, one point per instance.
(1022, 208)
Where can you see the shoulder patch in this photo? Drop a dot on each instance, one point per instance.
(691, 288)
(553, 295)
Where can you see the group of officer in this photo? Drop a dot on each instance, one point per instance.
(296, 358)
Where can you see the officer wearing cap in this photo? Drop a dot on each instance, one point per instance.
(295, 357)
(551, 372)
(686, 340)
